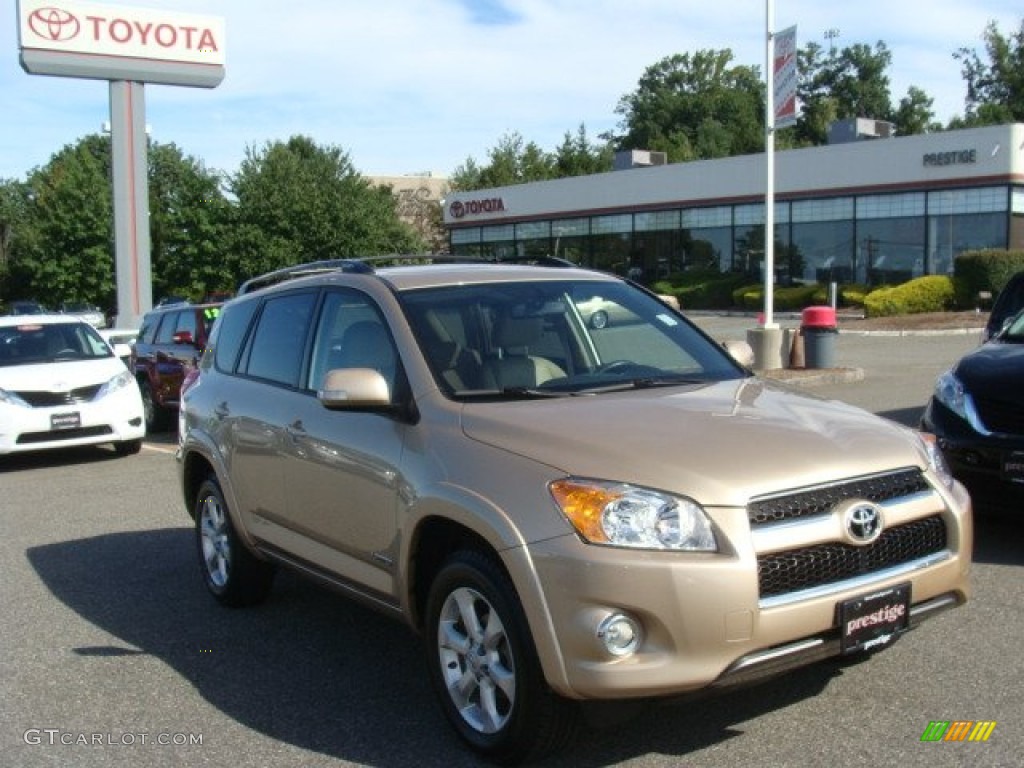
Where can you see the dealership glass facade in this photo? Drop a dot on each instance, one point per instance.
(870, 238)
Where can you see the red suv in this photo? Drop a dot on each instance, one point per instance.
(170, 342)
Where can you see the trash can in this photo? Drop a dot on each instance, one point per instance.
(818, 327)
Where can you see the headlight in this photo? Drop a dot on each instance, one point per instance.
(936, 461)
(949, 391)
(12, 399)
(623, 515)
(120, 381)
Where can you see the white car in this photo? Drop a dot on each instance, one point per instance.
(87, 312)
(61, 386)
(121, 340)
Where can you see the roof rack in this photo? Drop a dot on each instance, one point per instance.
(361, 266)
(302, 270)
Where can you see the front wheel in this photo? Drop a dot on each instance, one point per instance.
(234, 576)
(484, 666)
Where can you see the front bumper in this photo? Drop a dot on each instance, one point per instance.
(114, 418)
(703, 620)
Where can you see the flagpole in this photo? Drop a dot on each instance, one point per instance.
(769, 169)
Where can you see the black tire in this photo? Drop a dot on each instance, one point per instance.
(128, 447)
(233, 574)
(504, 710)
(156, 416)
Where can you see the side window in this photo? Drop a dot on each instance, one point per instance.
(278, 343)
(352, 333)
(165, 334)
(231, 334)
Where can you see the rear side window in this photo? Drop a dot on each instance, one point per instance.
(278, 342)
(233, 324)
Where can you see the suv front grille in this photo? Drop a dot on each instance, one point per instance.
(50, 399)
(821, 564)
(820, 501)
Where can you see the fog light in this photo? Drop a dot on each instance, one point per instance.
(620, 635)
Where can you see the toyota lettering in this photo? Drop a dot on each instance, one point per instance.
(461, 208)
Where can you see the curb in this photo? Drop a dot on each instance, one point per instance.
(812, 377)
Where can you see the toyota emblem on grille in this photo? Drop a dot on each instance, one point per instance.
(863, 522)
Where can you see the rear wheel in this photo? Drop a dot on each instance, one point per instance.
(484, 666)
(234, 576)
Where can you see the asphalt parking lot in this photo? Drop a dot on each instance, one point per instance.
(114, 655)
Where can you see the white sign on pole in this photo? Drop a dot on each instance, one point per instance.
(784, 69)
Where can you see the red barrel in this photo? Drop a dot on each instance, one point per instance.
(818, 317)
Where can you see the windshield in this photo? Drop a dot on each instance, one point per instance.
(1013, 331)
(558, 337)
(34, 343)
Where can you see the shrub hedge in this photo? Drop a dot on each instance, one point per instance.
(931, 293)
(988, 271)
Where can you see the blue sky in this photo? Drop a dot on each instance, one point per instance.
(410, 86)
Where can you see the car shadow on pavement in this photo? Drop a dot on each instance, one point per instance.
(315, 670)
(62, 457)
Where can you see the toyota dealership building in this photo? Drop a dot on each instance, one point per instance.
(862, 209)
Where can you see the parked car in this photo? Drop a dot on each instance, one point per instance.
(26, 307)
(91, 314)
(599, 313)
(563, 513)
(121, 341)
(170, 340)
(1008, 303)
(977, 413)
(61, 386)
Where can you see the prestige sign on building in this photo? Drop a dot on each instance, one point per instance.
(119, 42)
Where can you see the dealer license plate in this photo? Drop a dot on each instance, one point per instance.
(59, 421)
(874, 620)
(1013, 466)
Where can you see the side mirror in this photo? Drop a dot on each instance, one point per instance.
(352, 388)
(740, 351)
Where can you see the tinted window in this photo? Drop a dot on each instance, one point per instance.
(231, 334)
(165, 334)
(148, 330)
(279, 340)
(187, 322)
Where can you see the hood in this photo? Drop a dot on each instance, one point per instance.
(719, 444)
(61, 376)
(995, 370)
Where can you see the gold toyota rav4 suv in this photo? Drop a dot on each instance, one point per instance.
(565, 511)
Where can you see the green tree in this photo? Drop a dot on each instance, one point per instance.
(67, 251)
(512, 161)
(14, 232)
(189, 224)
(694, 107)
(578, 156)
(849, 83)
(298, 202)
(995, 86)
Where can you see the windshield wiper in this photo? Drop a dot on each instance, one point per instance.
(645, 382)
(509, 393)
